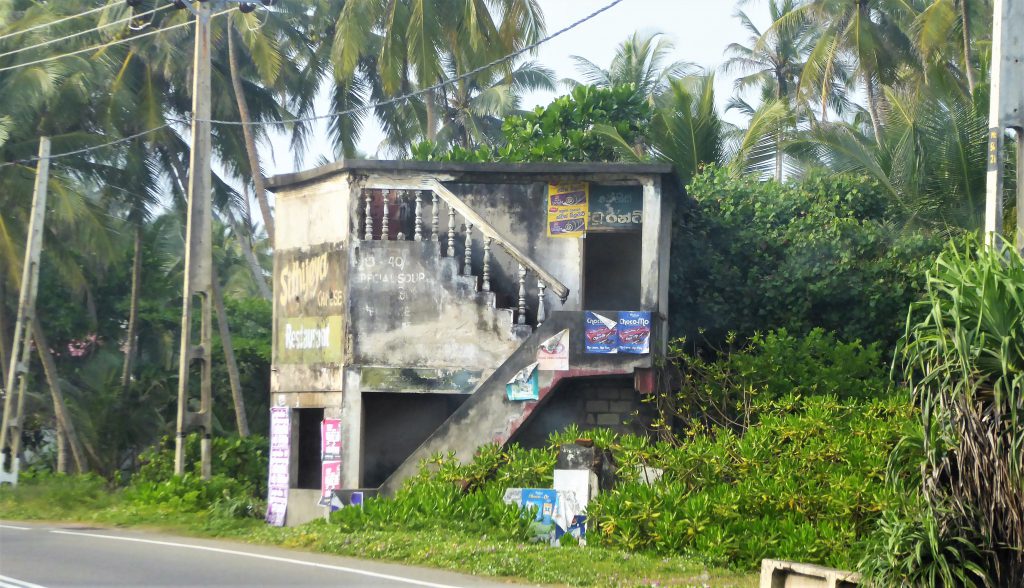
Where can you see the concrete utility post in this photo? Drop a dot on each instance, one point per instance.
(1006, 111)
(198, 288)
(21, 350)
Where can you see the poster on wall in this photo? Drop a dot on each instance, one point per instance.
(601, 333)
(524, 385)
(634, 332)
(330, 439)
(553, 353)
(616, 208)
(330, 476)
(568, 209)
(628, 331)
(280, 450)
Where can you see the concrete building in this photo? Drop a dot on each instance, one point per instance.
(407, 296)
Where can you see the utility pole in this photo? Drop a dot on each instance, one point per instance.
(197, 292)
(21, 350)
(1006, 111)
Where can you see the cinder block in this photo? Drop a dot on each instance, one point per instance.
(608, 393)
(609, 420)
(621, 406)
(780, 574)
(597, 406)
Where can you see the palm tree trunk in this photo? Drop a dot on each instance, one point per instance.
(229, 359)
(250, 141)
(965, 19)
(62, 450)
(431, 117)
(242, 234)
(133, 309)
(60, 409)
(876, 124)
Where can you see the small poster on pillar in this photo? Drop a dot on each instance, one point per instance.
(553, 353)
(330, 478)
(278, 470)
(330, 439)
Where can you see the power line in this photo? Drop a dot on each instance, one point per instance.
(404, 97)
(85, 32)
(53, 22)
(436, 86)
(109, 44)
(87, 149)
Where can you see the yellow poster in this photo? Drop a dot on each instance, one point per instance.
(568, 209)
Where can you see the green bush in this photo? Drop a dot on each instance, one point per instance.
(826, 252)
(243, 460)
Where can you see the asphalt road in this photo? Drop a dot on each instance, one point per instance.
(52, 555)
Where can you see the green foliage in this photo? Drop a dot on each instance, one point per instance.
(804, 482)
(963, 355)
(241, 460)
(563, 130)
(752, 256)
(250, 320)
(720, 390)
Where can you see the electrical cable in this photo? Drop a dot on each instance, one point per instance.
(58, 21)
(85, 32)
(110, 44)
(439, 85)
(436, 86)
(87, 149)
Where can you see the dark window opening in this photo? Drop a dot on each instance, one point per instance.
(611, 271)
(308, 448)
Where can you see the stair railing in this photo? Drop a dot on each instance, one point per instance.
(473, 221)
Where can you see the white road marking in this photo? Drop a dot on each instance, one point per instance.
(297, 562)
(6, 582)
(15, 528)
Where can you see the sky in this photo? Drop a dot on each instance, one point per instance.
(699, 29)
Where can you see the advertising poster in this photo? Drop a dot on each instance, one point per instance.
(634, 332)
(280, 450)
(601, 333)
(524, 386)
(568, 209)
(545, 501)
(330, 439)
(553, 353)
(330, 478)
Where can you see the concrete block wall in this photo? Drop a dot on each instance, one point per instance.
(607, 403)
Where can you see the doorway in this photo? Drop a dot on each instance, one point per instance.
(611, 270)
(307, 448)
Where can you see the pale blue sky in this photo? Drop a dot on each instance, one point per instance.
(700, 30)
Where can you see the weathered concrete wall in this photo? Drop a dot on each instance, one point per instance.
(410, 308)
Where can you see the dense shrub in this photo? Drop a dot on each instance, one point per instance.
(825, 252)
(243, 460)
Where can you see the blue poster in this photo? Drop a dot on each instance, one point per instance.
(601, 334)
(634, 332)
(545, 501)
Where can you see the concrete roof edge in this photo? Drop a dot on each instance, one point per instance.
(373, 165)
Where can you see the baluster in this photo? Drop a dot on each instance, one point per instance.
(451, 231)
(541, 312)
(369, 215)
(522, 295)
(487, 264)
(467, 270)
(418, 233)
(434, 225)
(384, 230)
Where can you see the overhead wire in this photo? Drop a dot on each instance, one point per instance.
(354, 110)
(58, 21)
(110, 43)
(85, 32)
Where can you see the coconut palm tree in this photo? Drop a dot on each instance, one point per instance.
(641, 60)
(406, 46)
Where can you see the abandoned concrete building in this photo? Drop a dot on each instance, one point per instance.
(426, 307)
